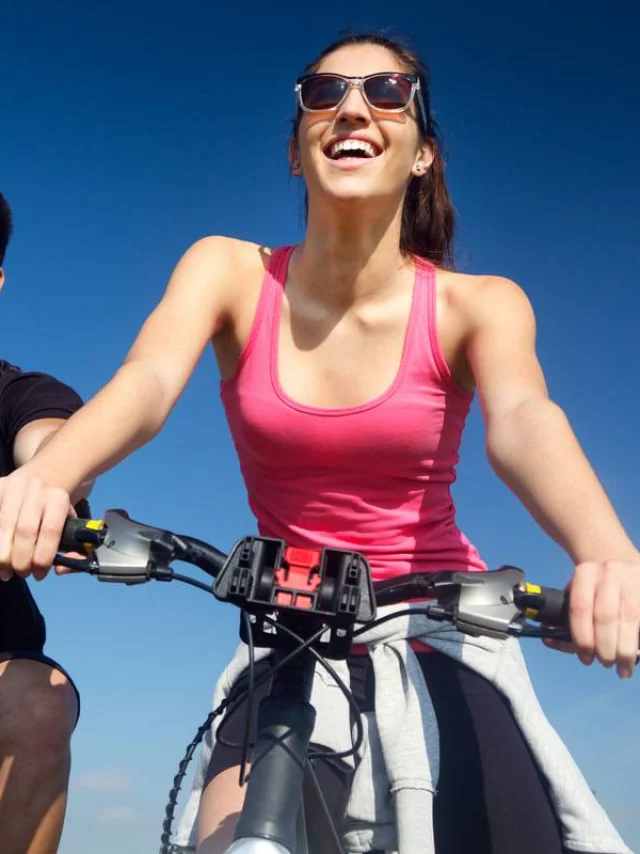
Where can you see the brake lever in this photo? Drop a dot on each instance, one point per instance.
(482, 603)
(130, 552)
(77, 564)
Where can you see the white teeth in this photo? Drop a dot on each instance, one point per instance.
(352, 145)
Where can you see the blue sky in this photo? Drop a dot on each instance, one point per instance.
(131, 129)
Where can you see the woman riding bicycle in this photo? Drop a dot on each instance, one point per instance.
(348, 366)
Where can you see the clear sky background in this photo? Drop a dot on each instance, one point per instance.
(129, 130)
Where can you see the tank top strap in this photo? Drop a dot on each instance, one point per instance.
(273, 285)
(261, 332)
(428, 355)
(278, 266)
(422, 330)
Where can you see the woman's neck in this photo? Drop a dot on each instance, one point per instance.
(348, 258)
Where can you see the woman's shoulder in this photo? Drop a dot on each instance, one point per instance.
(233, 269)
(232, 254)
(476, 295)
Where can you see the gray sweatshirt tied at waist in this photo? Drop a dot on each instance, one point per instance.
(391, 803)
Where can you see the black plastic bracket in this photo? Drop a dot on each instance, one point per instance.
(331, 587)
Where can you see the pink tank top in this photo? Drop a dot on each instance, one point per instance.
(376, 477)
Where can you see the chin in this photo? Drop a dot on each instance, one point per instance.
(351, 188)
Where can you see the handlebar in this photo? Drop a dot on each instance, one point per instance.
(314, 596)
(330, 586)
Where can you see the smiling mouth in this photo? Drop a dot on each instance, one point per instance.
(352, 148)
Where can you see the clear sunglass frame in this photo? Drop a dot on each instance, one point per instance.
(358, 83)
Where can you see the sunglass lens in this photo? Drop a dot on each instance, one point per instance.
(388, 91)
(322, 92)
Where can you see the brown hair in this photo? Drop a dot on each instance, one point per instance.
(428, 218)
(6, 226)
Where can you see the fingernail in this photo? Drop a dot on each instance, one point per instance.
(5, 576)
(586, 659)
(625, 672)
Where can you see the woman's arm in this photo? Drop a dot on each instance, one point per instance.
(533, 449)
(126, 413)
(33, 437)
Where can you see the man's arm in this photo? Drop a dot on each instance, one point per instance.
(34, 406)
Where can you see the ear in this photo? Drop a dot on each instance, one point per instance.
(1, 278)
(294, 157)
(424, 159)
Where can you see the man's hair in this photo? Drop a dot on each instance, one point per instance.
(6, 226)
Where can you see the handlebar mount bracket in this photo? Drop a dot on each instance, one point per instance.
(332, 587)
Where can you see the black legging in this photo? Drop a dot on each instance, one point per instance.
(491, 796)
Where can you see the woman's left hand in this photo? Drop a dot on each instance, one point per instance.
(604, 613)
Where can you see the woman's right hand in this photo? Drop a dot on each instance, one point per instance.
(32, 518)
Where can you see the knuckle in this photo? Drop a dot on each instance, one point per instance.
(612, 568)
(33, 484)
(24, 531)
(49, 530)
(588, 567)
(580, 606)
(59, 495)
(630, 611)
(605, 613)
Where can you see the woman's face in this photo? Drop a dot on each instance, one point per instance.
(393, 150)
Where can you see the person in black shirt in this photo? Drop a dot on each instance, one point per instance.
(39, 703)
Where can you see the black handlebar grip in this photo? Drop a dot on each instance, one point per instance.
(555, 610)
(79, 533)
(545, 604)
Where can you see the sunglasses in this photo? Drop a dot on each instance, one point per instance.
(389, 92)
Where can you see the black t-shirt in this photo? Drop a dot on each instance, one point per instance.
(27, 397)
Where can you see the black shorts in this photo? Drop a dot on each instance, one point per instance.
(491, 798)
(22, 627)
(21, 623)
